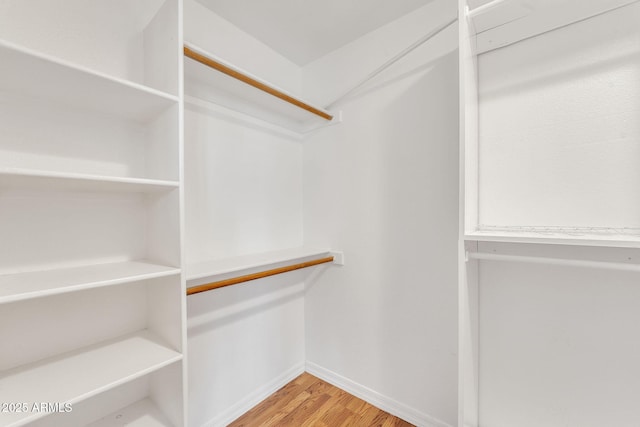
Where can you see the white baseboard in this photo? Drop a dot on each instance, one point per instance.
(376, 399)
(251, 400)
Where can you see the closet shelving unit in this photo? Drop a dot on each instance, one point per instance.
(91, 279)
(536, 128)
(549, 179)
(222, 89)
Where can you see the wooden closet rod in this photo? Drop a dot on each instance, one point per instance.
(210, 62)
(241, 279)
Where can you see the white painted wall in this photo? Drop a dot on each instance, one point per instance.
(243, 194)
(243, 188)
(245, 341)
(558, 345)
(559, 135)
(383, 187)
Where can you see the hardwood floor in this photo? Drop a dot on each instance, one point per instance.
(309, 401)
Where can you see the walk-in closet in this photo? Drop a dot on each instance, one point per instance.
(341, 213)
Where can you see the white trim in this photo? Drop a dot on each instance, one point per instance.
(378, 400)
(257, 396)
(220, 110)
(583, 263)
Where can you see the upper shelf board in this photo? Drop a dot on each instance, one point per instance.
(205, 272)
(43, 180)
(500, 23)
(215, 80)
(27, 72)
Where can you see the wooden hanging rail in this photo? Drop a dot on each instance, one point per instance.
(259, 275)
(216, 65)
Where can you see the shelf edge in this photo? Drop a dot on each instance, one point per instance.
(86, 286)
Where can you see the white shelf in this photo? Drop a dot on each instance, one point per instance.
(143, 413)
(214, 86)
(44, 180)
(560, 236)
(21, 286)
(26, 72)
(75, 376)
(503, 22)
(203, 272)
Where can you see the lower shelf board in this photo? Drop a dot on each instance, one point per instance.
(21, 286)
(593, 236)
(143, 413)
(81, 374)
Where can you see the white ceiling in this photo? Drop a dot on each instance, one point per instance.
(304, 30)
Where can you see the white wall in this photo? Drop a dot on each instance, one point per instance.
(559, 135)
(243, 188)
(243, 195)
(558, 345)
(383, 187)
(244, 342)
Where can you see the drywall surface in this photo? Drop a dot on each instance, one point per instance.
(243, 188)
(558, 345)
(211, 32)
(245, 341)
(383, 187)
(559, 135)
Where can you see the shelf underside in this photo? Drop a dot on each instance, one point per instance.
(78, 375)
(585, 236)
(40, 76)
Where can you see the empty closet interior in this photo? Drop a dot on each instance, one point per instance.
(429, 204)
(272, 181)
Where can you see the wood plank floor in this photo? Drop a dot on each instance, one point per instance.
(309, 401)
